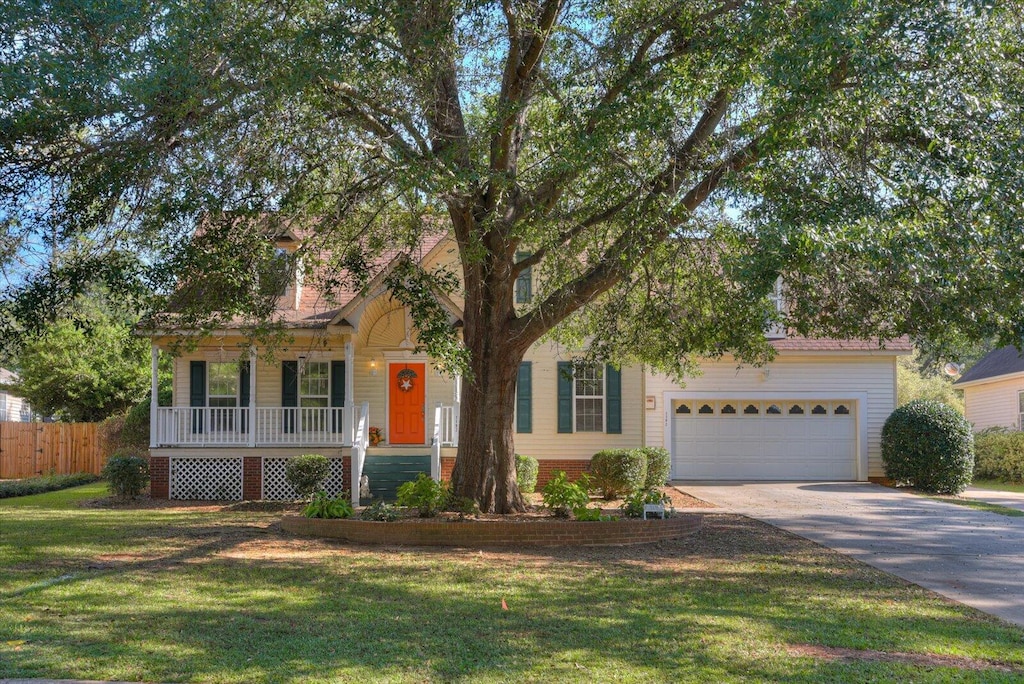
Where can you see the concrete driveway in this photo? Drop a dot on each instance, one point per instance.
(970, 556)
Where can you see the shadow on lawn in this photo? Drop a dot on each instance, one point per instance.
(714, 606)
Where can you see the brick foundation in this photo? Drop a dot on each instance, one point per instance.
(497, 533)
(159, 477)
(252, 478)
(572, 468)
(447, 465)
(548, 467)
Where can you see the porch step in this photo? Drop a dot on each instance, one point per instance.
(387, 472)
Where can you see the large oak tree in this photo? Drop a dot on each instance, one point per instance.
(662, 162)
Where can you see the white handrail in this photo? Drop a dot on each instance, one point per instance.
(359, 444)
(243, 426)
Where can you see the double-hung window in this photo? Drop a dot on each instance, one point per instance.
(222, 394)
(588, 399)
(1020, 410)
(314, 392)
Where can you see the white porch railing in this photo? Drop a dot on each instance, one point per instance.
(446, 419)
(359, 444)
(209, 426)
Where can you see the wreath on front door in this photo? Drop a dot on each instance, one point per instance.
(406, 379)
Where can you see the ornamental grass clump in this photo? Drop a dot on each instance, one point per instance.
(307, 473)
(928, 445)
(527, 468)
(618, 471)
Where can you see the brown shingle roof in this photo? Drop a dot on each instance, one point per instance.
(901, 345)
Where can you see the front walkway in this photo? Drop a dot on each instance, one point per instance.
(971, 556)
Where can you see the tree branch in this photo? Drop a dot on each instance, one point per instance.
(351, 94)
(667, 183)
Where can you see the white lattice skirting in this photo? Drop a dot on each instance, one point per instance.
(276, 487)
(206, 479)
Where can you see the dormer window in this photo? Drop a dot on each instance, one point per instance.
(524, 282)
(777, 298)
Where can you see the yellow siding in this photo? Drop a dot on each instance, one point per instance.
(994, 404)
(546, 442)
(873, 375)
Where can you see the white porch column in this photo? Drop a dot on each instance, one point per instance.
(348, 412)
(154, 399)
(456, 408)
(252, 395)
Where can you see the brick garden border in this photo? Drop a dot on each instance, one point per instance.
(496, 532)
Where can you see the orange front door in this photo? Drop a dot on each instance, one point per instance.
(406, 382)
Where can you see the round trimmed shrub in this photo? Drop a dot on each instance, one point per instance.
(127, 474)
(659, 465)
(527, 468)
(307, 473)
(618, 471)
(928, 445)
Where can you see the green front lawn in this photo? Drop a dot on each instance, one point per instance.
(1000, 486)
(180, 594)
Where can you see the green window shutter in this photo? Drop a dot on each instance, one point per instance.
(564, 396)
(244, 393)
(524, 398)
(337, 393)
(613, 400)
(289, 393)
(197, 392)
(243, 384)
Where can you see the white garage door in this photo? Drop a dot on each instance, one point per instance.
(764, 440)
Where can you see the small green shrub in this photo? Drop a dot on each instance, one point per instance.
(633, 505)
(463, 505)
(928, 445)
(659, 465)
(527, 468)
(424, 494)
(307, 473)
(616, 471)
(41, 485)
(127, 474)
(381, 511)
(562, 496)
(135, 430)
(999, 455)
(323, 506)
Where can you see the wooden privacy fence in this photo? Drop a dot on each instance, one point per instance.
(30, 449)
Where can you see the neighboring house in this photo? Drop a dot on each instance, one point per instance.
(814, 413)
(12, 407)
(994, 390)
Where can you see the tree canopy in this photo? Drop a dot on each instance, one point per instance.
(662, 162)
(86, 365)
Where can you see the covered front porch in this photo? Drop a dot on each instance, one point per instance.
(306, 398)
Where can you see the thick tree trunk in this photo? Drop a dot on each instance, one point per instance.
(485, 468)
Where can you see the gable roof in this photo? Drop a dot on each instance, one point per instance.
(1003, 361)
(315, 308)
